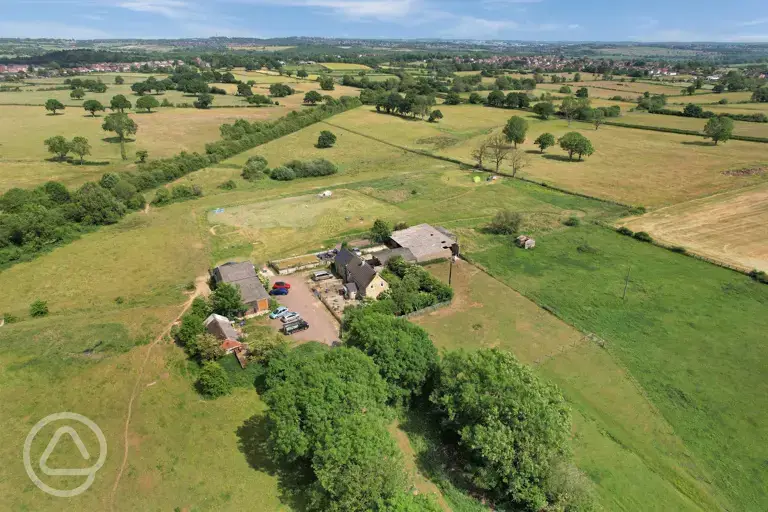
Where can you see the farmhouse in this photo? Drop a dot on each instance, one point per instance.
(359, 277)
(221, 327)
(243, 275)
(426, 243)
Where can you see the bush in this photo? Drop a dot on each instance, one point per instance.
(642, 236)
(759, 276)
(255, 168)
(678, 249)
(505, 222)
(9, 318)
(572, 221)
(326, 140)
(623, 230)
(282, 173)
(228, 185)
(213, 381)
(380, 232)
(38, 308)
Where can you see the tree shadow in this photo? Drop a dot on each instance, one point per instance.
(533, 152)
(560, 158)
(55, 114)
(698, 143)
(116, 140)
(292, 480)
(74, 161)
(90, 116)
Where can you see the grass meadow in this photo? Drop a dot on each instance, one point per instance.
(341, 66)
(688, 332)
(689, 123)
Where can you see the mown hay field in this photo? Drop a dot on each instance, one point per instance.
(342, 66)
(629, 165)
(732, 97)
(731, 227)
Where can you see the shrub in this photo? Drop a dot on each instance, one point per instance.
(505, 222)
(255, 168)
(380, 232)
(759, 276)
(572, 221)
(38, 308)
(9, 318)
(228, 185)
(282, 173)
(642, 236)
(326, 140)
(678, 249)
(213, 381)
(623, 230)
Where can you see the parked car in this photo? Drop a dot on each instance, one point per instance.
(279, 291)
(278, 313)
(295, 327)
(289, 317)
(281, 284)
(322, 275)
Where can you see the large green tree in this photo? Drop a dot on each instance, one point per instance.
(576, 143)
(93, 106)
(80, 147)
(227, 301)
(96, 205)
(515, 130)
(402, 350)
(213, 381)
(59, 146)
(510, 424)
(52, 105)
(381, 231)
(123, 126)
(544, 109)
(147, 102)
(544, 141)
(313, 97)
(119, 103)
(719, 129)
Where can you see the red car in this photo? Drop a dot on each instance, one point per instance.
(281, 284)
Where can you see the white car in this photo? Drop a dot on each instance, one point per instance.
(290, 317)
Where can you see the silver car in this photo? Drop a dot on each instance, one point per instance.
(290, 317)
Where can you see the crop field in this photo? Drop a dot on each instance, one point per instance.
(730, 227)
(631, 166)
(341, 66)
(25, 162)
(620, 440)
(689, 123)
(687, 331)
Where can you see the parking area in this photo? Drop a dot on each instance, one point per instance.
(323, 327)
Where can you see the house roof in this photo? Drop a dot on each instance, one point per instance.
(234, 271)
(358, 271)
(424, 241)
(243, 274)
(251, 290)
(384, 256)
(220, 327)
(228, 345)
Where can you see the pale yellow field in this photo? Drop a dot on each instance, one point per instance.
(732, 97)
(342, 66)
(730, 227)
(690, 123)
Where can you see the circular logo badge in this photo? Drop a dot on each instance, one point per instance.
(89, 473)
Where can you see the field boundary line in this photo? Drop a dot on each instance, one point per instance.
(201, 284)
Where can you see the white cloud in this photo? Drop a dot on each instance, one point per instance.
(748, 38)
(170, 8)
(670, 35)
(353, 9)
(40, 29)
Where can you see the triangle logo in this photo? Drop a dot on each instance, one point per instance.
(52, 445)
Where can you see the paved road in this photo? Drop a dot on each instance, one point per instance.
(323, 326)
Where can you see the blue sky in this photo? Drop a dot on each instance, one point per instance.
(542, 20)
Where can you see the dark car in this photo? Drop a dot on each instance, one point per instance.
(279, 291)
(295, 327)
(281, 284)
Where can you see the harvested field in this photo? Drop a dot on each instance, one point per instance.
(730, 227)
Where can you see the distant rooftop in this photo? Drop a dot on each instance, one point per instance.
(425, 242)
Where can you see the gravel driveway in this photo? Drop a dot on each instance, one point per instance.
(323, 327)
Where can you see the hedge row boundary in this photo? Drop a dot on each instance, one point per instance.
(744, 138)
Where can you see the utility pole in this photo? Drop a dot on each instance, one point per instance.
(626, 283)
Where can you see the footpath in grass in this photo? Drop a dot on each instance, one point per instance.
(620, 441)
(691, 333)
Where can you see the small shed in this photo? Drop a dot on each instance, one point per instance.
(525, 242)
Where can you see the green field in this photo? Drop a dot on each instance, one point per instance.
(689, 123)
(341, 66)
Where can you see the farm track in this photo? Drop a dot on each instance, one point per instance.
(201, 288)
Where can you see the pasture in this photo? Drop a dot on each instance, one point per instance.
(706, 98)
(620, 440)
(631, 166)
(729, 227)
(688, 332)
